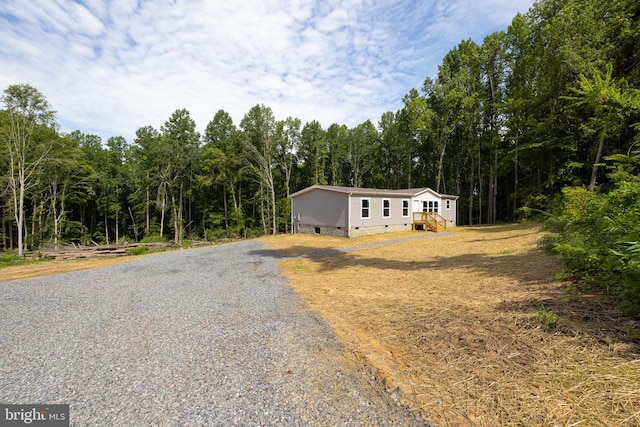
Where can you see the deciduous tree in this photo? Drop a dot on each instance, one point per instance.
(27, 108)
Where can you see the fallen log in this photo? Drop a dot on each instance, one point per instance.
(78, 252)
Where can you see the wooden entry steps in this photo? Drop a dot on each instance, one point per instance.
(431, 221)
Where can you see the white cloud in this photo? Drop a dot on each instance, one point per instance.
(112, 67)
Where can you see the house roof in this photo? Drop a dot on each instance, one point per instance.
(407, 192)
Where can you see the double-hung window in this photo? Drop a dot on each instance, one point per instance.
(364, 208)
(405, 208)
(386, 208)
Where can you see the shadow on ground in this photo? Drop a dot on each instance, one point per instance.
(592, 313)
(517, 266)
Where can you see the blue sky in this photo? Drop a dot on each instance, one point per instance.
(111, 67)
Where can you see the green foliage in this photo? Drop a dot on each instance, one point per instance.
(545, 319)
(628, 254)
(215, 234)
(154, 238)
(597, 233)
(11, 259)
(138, 250)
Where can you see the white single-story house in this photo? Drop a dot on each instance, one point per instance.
(348, 212)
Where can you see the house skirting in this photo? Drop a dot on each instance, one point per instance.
(326, 230)
(323, 230)
(377, 229)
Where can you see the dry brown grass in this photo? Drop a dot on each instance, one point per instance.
(48, 268)
(451, 321)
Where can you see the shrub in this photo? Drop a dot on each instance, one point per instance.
(138, 250)
(154, 238)
(215, 234)
(546, 319)
(590, 231)
(628, 254)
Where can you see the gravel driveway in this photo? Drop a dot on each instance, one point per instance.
(209, 336)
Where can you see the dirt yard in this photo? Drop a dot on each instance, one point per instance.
(472, 328)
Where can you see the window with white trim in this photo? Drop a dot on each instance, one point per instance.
(430, 206)
(448, 205)
(386, 208)
(364, 208)
(405, 208)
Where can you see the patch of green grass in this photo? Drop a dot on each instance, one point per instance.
(545, 319)
(505, 252)
(635, 333)
(8, 260)
(139, 250)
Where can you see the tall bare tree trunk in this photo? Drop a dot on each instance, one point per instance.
(441, 166)
(493, 183)
(410, 167)
(594, 171)
(19, 216)
(181, 213)
(147, 207)
(106, 227)
(515, 180)
(5, 233)
(33, 225)
(40, 221)
(479, 183)
(164, 206)
(472, 185)
(133, 221)
(272, 190)
(226, 209)
(10, 235)
(262, 217)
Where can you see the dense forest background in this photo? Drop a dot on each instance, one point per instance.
(551, 103)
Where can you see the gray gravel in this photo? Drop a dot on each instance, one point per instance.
(208, 336)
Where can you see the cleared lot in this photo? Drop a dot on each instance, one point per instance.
(472, 326)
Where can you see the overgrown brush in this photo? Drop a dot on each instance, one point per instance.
(597, 234)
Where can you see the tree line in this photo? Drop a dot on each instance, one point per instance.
(505, 125)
